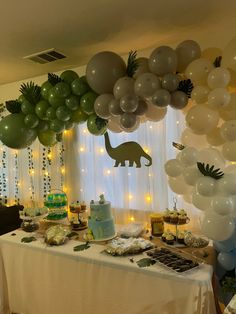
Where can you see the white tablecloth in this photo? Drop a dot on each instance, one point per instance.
(37, 279)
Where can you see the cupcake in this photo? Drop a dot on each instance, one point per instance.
(180, 237)
(174, 218)
(182, 219)
(166, 215)
(75, 207)
(170, 239)
(182, 212)
(163, 237)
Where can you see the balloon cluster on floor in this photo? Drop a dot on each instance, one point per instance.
(204, 171)
(113, 95)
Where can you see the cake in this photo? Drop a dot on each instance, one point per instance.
(100, 221)
(170, 239)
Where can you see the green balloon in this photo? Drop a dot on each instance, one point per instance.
(83, 78)
(69, 76)
(62, 90)
(21, 99)
(72, 102)
(31, 120)
(41, 109)
(27, 107)
(51, 113)
(96, 125)
(87, 102)
(63, 113)
(14, 133)
(45, 88)
(78, 116)
(42, 126)
(47, 138)
(54, 100)
(79, 87)
(57, 125)
(69, 125)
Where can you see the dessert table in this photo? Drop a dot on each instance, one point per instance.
(39, 279)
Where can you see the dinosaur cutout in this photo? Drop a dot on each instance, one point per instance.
(130, 151)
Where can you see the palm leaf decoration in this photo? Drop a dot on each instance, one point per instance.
(186, 86)
(100, 123)
(54, 79)
(178, 146)
(209, 171)
(31, 91)
(145, 262)
(13, 106)
(132, 63)
(217, 62)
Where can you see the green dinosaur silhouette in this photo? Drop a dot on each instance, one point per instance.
(130, 151)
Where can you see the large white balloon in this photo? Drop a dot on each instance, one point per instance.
(206, 186)
(202, 120)
(198, 70)
(178, 185)
(227, 184)
(214, 137)
(201, 202)
(229, 55)
(200, 94)
(218, 98)
(222, 205)
(146, 84)
(191, 175)
(212, 157)
(229, 151)
(228, 130)
(217, 227)
(187, 51)
(188, 138)
(189, 156)
(173, 168)
(218, 77)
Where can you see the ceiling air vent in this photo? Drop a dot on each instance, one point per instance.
(45, 56)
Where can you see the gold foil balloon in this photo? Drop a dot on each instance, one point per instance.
(103, 70)
(187, 51)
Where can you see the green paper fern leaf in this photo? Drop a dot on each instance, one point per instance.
(100, 123)
(132, 63)
(13, 106)
(54, 79)
(186, 86)
(31, 91)
(217, 62)
(208, 171)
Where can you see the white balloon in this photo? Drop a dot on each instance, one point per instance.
(189, 156)
(198, 70)
(218, 77)
(201, 202)
(228, 130)
(188, 138)
(227, 184)
(191, 175)
(201, 119)
(229, 151)
(200, 94)
(229, 55)
(222, 205)
(217, 227)
(214, 137)
(173, 168)
(188, 198)
(178, 185)
(206, 186)
(230, 169)
(218, 98)
(212, 157)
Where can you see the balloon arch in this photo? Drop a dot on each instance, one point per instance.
(118, 96)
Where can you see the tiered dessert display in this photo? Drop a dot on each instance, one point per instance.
(31, 217)
(79, 222)
(56, 202)
(101, 222)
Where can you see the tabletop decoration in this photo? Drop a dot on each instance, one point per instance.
(28, 239)
(81, 247)
(145, 262)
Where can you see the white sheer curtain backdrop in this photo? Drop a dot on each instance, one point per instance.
(132, 191)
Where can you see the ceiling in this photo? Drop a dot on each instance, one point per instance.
(79, 29)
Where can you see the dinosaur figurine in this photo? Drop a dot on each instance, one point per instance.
(130, 151)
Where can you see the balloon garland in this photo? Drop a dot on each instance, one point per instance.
(113, 95)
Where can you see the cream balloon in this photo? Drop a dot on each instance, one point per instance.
(215, 138)
(178, 185)
(146, 84)
(191, 175)
(173, 168)
(123, 86)
(189, 156)
(222, 205)
(211, 156)
(198, 70)
(113, 125)
(201, 119)
(218, 98)
(154, 113)
(218, 77)
(101, 105)
(200, 94)
(189, 138)
(230, 169)
(188, 198)
(229, 151)
(201, 202)
(229, 55)
(227, 184)
(228, 130)
(206, 186)
(217, 227)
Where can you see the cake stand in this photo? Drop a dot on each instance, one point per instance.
(176, 230)
(31, 224)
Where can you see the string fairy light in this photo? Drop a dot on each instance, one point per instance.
(31, 173)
